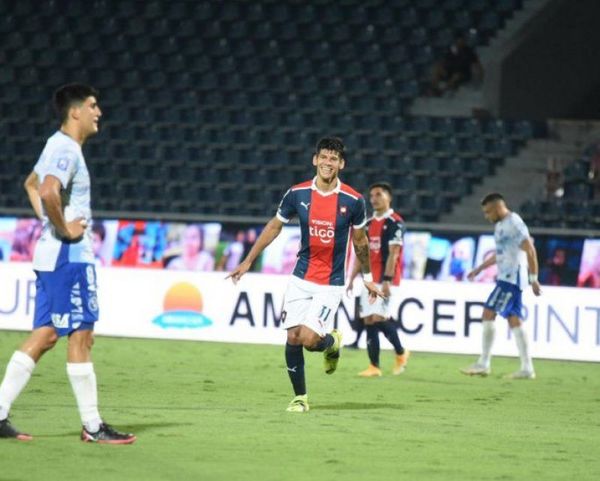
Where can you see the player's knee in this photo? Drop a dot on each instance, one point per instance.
(309, 339)
(293, 336)
(514, 321)
(50, 341)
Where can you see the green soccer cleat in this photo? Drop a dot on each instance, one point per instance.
(299, 404)
(332, 354)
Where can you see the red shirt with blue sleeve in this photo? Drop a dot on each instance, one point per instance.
(326, 219)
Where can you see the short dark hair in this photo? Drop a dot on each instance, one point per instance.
(493, 197)
(382, 185)
(98, 228)
(331, 143)
(65, 96)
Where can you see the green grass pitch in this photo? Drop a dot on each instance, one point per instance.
(212, 411)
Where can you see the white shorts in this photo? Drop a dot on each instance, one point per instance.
(381, 307)
(311, 305)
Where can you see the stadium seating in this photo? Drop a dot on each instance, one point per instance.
(209, 104)
(579, 207)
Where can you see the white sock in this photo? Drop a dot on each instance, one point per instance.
(18, 373)
(487, 341)
(83, 382)
(522, 346)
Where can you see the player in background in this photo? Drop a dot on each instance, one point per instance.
(385, 231)
(66, 301)
(513, 243)
(330, 213)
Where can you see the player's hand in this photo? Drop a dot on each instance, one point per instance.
(473, 274)
(374, 292)
(350, 288)
(537, 289)
(239, 271)
(76, 228)
(385, 288)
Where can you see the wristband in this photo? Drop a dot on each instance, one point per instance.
(533, 278)
(388, 278)
(368, 277)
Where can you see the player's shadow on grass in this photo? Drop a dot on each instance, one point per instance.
(358, 406)
(134, 428)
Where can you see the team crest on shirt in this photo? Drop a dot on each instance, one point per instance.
(343, 210)
(63, 163)
(375, 244)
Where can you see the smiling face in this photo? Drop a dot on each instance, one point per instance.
(328, 164)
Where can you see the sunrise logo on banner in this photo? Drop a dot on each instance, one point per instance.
(183, 304)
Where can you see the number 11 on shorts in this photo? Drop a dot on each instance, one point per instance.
(325, 311)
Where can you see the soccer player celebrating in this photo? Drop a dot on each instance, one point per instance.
(385, 231)
(66, 302)
(512, 244)
(328, 211)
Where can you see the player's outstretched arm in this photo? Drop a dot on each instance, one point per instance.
(269, 233)
(490, 261)
(32, 185)
(532, 265)
(50, 196)
(361, 248)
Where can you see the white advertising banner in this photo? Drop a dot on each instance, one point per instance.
(564, 323)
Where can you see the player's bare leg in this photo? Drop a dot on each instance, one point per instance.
(18, 373)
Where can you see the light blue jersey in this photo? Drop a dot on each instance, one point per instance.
(62, 158)
(511, 260)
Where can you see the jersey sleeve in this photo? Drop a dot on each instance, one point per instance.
(359, 213)
(397, 233)
(521, 232)
(287, 207)
(61, 165)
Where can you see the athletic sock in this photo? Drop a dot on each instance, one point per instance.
(83, 382)
(391, 333)
(373, 344)
(488, 334)
(294, 358)
(323, 344)
(522, 346)
(18, 373)
(360, 327)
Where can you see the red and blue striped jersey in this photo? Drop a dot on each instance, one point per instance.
(383, 232)
(325, 221)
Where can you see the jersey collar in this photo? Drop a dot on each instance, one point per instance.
(386, 214)
(336, 190)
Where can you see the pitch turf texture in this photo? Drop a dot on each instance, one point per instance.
(212, 411)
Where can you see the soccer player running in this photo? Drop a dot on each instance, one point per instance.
(385, 231)
(328, 211)
(66, 302)
(512, 244)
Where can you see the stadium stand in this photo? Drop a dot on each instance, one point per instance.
(579, 206)
(213, 106)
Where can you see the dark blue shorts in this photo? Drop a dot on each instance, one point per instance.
(66, 298)
(506, 300)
